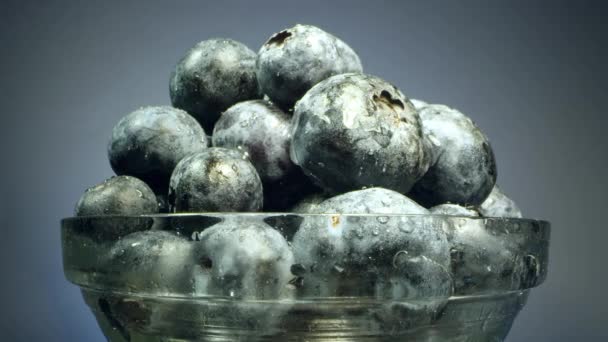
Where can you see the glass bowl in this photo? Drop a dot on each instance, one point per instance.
(206, 277)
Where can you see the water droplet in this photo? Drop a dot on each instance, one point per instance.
(375, 232)
(231, 293)
(234, 168)
(406, 227)
(434, 140)
(382, 219)
(400, 258)
(338, 268)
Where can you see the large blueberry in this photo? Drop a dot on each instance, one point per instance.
(217, 179)
(354, 130)
(294, 60)
(375, 253)
(499, 205)
(121, 195)
(214, 75)
(149, 142)
(463, 169)
(244, 259)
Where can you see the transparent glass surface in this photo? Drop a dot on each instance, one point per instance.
(304, 277)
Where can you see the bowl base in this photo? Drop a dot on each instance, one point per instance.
(131, 318)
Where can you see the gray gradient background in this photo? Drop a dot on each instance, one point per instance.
(532, 74)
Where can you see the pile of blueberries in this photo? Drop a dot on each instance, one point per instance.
(297, 127)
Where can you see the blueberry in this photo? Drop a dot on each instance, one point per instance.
(151, 261)
(480, 260)
(450, 209)
(294, 60)
(499, 205)
(263, 131)
(214, 75)
(377, 255)
(149, 142)
(418, 104)
(217, 179)
(463, 169)
(244, 259)
(121, 195)
(354, 130)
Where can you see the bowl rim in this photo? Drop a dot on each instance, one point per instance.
(266, 214)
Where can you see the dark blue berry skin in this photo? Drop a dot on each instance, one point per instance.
(260, 129)
(149, 142)
(263, 132)
(353, 130)
(499, 205)
(212, 76)
(295, 59)
(121, 195)
(450, 209)
(463, 169)
(215, 180)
